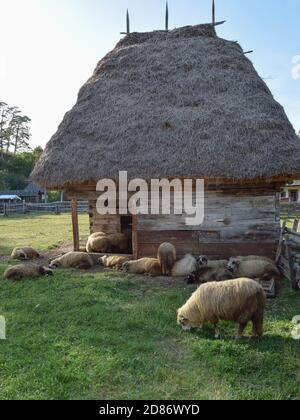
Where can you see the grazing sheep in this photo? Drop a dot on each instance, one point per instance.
(19, 272)
(185, 266)
(240, 300)
(113, 261)
(98, 243)
(254, 269)
(206, 275)
(204, 261)
(148, 266)
(25, 253)
(167, 258)
(118, 243)
(79, 260)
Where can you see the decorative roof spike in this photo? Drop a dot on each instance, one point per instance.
(127, 22)
(167, 16)
(214, 13)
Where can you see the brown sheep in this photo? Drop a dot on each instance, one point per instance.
(148, 266)
(254, 269)
(113, 261)
(98, 243)
(25, 253)
(167, 258)
(19, 272)
(79, 260)
(240, 301)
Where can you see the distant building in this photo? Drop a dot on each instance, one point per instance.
(291, 193)
(31, 194)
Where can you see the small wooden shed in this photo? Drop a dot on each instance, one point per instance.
(187, 104)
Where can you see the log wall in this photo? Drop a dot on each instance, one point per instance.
(236, 223)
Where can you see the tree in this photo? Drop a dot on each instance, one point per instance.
(14, 130)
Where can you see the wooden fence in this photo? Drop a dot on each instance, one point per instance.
(290, 211)
(10, 209)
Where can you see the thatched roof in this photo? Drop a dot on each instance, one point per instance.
(183, 103)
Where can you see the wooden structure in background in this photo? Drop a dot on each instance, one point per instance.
(288, 254)
(239, 220)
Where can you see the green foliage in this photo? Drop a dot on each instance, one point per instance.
(106, 335)
(16, 168)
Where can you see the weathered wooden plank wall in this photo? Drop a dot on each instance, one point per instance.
(234, 224)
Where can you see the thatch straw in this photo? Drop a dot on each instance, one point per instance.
(163, 104)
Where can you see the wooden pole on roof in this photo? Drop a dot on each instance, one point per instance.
(214, 13)
(167, 17)
(127, 24)
(75, 224)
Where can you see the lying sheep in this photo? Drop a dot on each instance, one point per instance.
(185, 266)
(251, 258)
(167, 258)
(115, 262)
(118, 243)
(206, 275)
(240, 300)
(19, 272)
(148, 266)
(25, 253)
(79, 260)
(204, 261)
(99, 243)
(254, 269)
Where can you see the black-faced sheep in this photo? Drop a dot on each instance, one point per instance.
(254, 269)
(19, 272)
(98, 243)
(167, 258)
(79, 260)
(148, 266)
(185, 266)
(115, 262)
(206, 275)
(25, 253)
(240, 301)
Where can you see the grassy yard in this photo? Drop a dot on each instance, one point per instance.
(44, 232)
(99, 335)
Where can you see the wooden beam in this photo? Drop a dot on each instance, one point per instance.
(135, 250)
(75, 224)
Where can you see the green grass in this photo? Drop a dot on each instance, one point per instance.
(108, 336)
(39, 231)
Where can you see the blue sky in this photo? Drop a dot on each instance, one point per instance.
(52, 46)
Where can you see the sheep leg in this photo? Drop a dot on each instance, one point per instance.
(257, 328)
(241, 330)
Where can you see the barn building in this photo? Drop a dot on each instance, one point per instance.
(179, 104)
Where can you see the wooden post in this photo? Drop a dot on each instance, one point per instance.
(296, 225)
(75, 224)
(135, 250)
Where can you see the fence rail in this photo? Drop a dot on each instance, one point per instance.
(9, 209)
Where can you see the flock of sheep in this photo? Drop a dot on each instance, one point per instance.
(229, 289)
